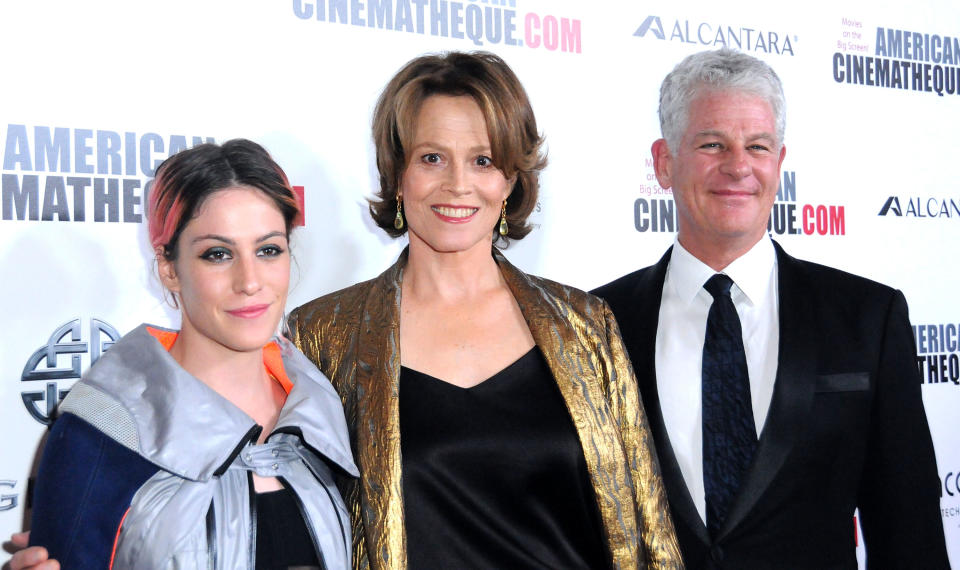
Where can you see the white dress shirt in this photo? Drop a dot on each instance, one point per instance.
(679, 352)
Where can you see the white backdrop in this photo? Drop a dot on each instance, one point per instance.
(96, 93)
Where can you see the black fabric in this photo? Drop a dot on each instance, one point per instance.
(494, 475)
(729, 431)
(282, 536)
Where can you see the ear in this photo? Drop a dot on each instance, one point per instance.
(662, 163)
(167, 271)
(511, 184)
(783, 154)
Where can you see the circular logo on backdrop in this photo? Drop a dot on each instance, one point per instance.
(61, 359)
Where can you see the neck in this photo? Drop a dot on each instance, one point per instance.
(450, 276)
(719, 253)
(232, 374)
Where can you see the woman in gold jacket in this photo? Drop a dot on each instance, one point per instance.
(459, 155)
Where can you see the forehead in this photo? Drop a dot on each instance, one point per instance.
(725, 110)
(236, 208)
(452, 114)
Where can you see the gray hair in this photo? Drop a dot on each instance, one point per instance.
(719, 70)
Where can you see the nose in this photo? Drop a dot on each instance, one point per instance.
(246, 278)
(737, 163)
(457, 179)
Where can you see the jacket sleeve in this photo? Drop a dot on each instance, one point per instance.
(84, 487)
(900, 490)
(653, 511)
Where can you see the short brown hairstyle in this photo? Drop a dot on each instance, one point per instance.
(515, 142)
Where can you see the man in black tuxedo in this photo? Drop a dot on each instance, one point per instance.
(786, 394)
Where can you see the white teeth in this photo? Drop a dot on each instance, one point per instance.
(454, 212)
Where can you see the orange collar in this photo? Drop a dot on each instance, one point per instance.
(272, 356)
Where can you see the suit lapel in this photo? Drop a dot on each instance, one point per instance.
(639, 328)
(792, 393)
(650, 292)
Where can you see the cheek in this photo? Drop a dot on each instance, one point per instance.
(685, 203)
(499, 188)
(198, 292)
(700, 170)
(278, 275)
(283, 281)
(770, 176)
(412, 184)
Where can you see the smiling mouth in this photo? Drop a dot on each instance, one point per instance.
(734, 193)
(454, 213)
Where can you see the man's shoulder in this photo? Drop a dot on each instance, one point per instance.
(624, 284)
(826, 280)
(641, 279)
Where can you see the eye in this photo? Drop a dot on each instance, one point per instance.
(711, 146)
(484, 161)
(270, 251)
(431, 158)
(216, 255)
(758, 148)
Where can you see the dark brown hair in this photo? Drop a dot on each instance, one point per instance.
(514, 140)
(185, 180)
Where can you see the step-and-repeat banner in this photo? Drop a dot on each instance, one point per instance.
(96, 93)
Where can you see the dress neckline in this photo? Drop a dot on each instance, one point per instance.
(492, 379)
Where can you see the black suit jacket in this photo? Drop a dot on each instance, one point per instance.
(846, 429)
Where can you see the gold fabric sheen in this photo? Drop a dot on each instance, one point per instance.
(353, 336)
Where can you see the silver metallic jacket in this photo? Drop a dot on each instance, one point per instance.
(197, 511)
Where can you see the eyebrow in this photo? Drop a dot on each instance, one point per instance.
(473, 149)
(229, 241)
(753, 137)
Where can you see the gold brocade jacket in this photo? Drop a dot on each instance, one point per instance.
(353, 336)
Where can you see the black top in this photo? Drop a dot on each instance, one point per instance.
(282, 537)
(494, 475)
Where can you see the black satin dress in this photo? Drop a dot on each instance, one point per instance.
(494, 475)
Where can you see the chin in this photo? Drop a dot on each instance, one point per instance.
(457, 244)
(249, 340)
(247, 344)
(739, 224)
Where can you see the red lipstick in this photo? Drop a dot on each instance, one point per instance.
(250, 312)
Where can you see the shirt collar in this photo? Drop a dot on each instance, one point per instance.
(750, 272)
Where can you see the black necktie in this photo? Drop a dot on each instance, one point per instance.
(729, 432)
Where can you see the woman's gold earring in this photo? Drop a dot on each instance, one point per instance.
(398, 221)
(503, 219)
